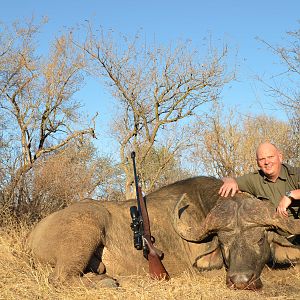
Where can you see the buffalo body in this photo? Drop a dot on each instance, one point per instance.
(194, 227)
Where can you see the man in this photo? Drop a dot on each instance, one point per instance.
(274, 181)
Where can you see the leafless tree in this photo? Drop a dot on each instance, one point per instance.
(37, 100)
(71, 174)
(227, 142)
(155, 87)
(285, 87)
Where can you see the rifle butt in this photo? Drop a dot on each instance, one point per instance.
(156, 268)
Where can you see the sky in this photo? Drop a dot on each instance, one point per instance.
(234, 22)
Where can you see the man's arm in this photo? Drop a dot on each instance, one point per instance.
(229, 186)
(286, 201)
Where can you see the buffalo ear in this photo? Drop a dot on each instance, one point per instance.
(211, 258)
(282, 250)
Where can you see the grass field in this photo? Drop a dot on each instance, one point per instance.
(20, 280)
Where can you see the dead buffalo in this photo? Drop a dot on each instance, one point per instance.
(193, 226)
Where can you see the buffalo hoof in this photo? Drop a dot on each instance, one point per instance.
(108, 283)
(102, 280)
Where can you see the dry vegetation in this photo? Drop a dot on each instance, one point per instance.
(46, 171)
(20, 279)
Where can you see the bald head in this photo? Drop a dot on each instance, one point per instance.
(269, 160)
(266, 146)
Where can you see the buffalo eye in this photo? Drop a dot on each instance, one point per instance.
(261, 241)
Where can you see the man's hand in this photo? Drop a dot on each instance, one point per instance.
(284, 203)
(229, 186)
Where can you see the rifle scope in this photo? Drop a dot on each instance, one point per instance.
(136, 228)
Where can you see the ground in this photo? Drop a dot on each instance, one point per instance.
(21, 279)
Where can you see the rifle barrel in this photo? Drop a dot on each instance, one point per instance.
(156, 268)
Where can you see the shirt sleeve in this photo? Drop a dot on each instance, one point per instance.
(245, 183)
(298, 177)
(295, 177)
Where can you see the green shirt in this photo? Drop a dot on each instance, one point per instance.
(261, 187)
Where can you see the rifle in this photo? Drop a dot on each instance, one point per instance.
(142, 237)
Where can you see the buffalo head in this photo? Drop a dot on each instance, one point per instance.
(241, 225)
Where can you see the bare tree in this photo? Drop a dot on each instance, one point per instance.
(155, 87)
(37, 96)
(226, 143)
(3, 147)
(284, 87)
(71, 174)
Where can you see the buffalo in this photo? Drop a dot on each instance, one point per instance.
(194, 227)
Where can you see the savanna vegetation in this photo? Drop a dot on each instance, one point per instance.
(22, 279)
(168, 109)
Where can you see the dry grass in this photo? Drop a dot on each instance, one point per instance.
(20, 280)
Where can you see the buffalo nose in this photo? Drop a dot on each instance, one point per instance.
(241, 277)
(241, 281)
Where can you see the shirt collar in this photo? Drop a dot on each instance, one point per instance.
(282, 174)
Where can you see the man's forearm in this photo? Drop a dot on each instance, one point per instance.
(295, 194)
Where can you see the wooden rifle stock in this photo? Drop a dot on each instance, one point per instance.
(153, 255)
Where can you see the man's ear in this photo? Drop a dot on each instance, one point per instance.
(280, 156)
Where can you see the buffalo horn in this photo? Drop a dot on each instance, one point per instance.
(264, 213)
(190, 222)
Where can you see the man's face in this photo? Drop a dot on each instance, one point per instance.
(269, 161)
